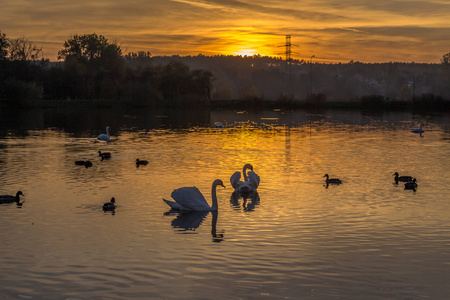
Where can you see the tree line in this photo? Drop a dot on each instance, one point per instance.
(92, 67)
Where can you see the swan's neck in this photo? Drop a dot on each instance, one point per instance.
(214, 206)
(107, 131)
(244, 170)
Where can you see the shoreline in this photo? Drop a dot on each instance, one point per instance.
(369, 103)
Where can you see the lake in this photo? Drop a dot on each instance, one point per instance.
(367, 238)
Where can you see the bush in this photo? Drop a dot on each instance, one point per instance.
(372, 101)
(141, 94)
(430, 101)
(316, 100)
(20, 93)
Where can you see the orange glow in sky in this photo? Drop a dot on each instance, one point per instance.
(367, 31)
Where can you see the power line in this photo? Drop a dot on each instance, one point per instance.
(288, 53)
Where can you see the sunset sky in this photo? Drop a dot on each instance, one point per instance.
(333, 31)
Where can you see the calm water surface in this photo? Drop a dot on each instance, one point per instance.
(365, 239)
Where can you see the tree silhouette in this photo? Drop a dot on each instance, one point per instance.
(4, 46)
(94, 66)
(23, 49)
(445, 59)
(87, 47)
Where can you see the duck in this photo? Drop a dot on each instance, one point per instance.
(105, 137)
(418, 130)
(332, 180)
(411, 185)
(104, 155)
(398, 178)
(86, 163)
(111, 205)
(141, 162)
(11, 199)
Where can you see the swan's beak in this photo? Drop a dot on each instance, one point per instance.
(223, 186)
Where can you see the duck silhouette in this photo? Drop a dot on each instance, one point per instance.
(141, 162)
(11, 199)
(398, 178)
(332, 180)
(111, 205)
(86, 163)
(104, 155)
(411, 185)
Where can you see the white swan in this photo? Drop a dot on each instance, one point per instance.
(105, 137)
(250, 183)
(191, 199)
(418, 130)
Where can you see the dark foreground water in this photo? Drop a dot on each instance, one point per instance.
(365, 239)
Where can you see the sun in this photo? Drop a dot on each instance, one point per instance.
(243, 41)
(245, 52)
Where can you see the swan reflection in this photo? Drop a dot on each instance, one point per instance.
(187, 222)
(249, 201)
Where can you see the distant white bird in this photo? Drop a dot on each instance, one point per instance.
(418, 130)
(191, 199)
(105, 137)
(250, 183)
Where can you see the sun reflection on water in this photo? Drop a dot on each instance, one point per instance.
(332, 239)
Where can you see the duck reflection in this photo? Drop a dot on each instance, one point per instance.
(249, 200)
(190, 221)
